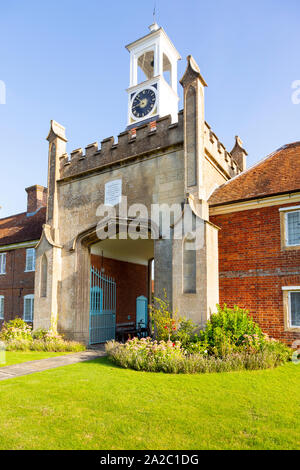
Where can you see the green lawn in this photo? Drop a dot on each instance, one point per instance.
(94, 405)
(21, 356)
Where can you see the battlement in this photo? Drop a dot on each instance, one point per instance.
(215, 149)
(134, 143)
(139, 143)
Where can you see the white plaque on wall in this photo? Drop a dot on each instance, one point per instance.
(113, 192)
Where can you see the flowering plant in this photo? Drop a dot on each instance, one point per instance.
(146, 354)
(16, 329)
(165, 321)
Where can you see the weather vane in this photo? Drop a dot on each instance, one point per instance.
(154, 13)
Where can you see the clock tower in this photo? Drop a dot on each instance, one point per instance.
(152, 92)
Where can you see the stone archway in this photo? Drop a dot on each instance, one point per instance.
(87, 244)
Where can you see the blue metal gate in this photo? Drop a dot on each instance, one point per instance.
(102, 307)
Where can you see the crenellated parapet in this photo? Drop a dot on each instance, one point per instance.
(217, 151)
(135, 143)
(142, 141)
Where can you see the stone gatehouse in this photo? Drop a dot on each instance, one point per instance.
(164, 157)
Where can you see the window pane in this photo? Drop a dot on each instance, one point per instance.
(28, 308)
(1, 308)
(30, 259)
(293, 227)
(2, 263)
(295, 308)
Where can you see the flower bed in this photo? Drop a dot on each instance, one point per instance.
(165, 356)
(18, 336)
(231, 341)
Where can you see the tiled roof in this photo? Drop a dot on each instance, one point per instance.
(20, 228)
(278, 173)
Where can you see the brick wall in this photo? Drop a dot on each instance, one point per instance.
(15, 284)
(131, 280)
(253, 267)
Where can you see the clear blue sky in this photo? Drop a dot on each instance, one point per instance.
(65, 60)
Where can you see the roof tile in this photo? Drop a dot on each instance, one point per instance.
(21, 228)
(278, 173)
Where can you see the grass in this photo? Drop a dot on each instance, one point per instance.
(24, 356)
(96, 405)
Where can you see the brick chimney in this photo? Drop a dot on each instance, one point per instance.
(36, 198)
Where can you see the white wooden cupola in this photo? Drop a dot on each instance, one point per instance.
(152, 91)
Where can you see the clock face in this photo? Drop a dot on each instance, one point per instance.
(143, 103)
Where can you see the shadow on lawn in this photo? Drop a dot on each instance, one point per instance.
(104, 361)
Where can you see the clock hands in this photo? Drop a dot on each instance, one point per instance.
(143, 103)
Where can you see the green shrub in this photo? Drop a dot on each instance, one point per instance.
(231, 330)
(197, 347)
(165, 356)
(40, 334)
(16, 329)
(282, 352)
(185, 332)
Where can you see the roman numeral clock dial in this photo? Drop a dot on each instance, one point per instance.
(143, 103)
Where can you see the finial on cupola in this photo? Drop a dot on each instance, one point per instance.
(154, 26)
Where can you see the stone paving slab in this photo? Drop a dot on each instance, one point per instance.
(26, 368)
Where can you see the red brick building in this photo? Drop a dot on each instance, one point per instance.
(18, 236)
(258, 213)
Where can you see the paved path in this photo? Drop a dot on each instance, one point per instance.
(17, 370)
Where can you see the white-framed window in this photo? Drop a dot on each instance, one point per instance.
(294, 308)
(1, 307)
(30, 260)
(28, 307)
(2, 263)
(292, 227)
(291, 301)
